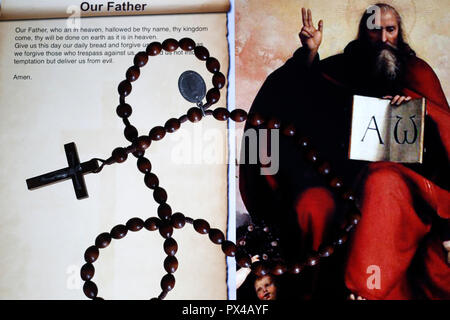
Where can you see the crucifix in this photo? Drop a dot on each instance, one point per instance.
(74, 171)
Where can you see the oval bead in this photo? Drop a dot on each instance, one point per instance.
(154, 48)
(124, 88)
(229, 248)
(157, 133)
(87, 272)
(170, 247)
(151, 180)
(91, 254)
(194, 114)
(167, 282)
(221, 114)
(170, 45)
(172, 125)
(213, 65)
(164, 211)
(244, 260)
(90, 289)
(140, 59)
(119, 231)
(143, 142)
(273, 123)
(216, 236)
(170, 264)
(144, 165)
(152, 224)
(201, 53)
(187, 44)
(178, 220)
(160, 195)
(103, 240)
(212, 96)
(130, 133)
(256, 119)
(133, 73)
(135, 224)
(238, 115)
(165, 229)
(124, 110)
(201, 226)
(218, 80)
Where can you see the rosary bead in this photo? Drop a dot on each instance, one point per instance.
(90, 289)
(273, 123)
(212, 96)
(144, 165)
(221, 114)
(187, 44)
(165, 229)
(213, 65)
(178, 220)
(151, 180)
(336, 183)
(326, 251)
(201, 53)
(170, 247)
(289, 131)
(160, 195)
(218, 80)
(170, 45)
(133, 73)
(91, 254)
(154, 48)
(130, 133)
(295, 268)
(312, 156)
(278, 269)
(304, 142)
(124, 88)
(135, 224)
(342, 238)
(216, 236)
(259, 269)
(183, 118)
(354, 218)
(238, 115)
(172, 125)
(124, 110)
(194, 114)
(324, 169)
(243, 260)
(255, 119)
(229, 248)
(143, 142)
(119, 231)
(201, 226)
(87, 272)
(312, 260)
(152, 224)
(171, 264)
(349, 196)
(140, 59)
(250, 227)
(139, 153)
(103, 240)
(119, 155)
(164, 211)
(157, 133)
(167, 282)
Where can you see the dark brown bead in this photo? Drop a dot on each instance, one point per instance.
(167, 282)
(152, 224)
(312, 156)
(164, 211)
(229, 248)
(201, 53)
(103, 240)
(171, 264)
(170, 247)
(165, 229)
(201, 226)
(144, 165)
(326, 251)
(216, 236)
(170, 45)
(212, 96)
(91, 254)
(157, 133)
(304, 142)
(124, 88)
(255, 119)
(238, 115)
(160, 195)
(187, 44)
(341, 239)
(349, 196)
(324, 169)
(133, 73)
(336, 183)
(260, 269)
(90, 289)
(119, 155)
(172, 125)
(143, 142)
(312, 260)
(138, 153)
(218, 80)
(244, 260)
(119, 231)
(273, 123)
(124, 110)
(178, 220)
(295, 268)
(278, 269)
(154, 48)
(130, 133)
(140, 59)
(151, 180)
(194, 114)
(221, 114)
(289, 130)
(213, 65)
(354, 217)
(135, 224)
(87, 272)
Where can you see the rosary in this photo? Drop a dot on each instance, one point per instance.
(193, 89)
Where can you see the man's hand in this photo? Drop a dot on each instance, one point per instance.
(397, 100)
(310, 37)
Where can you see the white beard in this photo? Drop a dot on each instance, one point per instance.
(387, 65)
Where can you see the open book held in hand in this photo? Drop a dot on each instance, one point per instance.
(383, 132)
